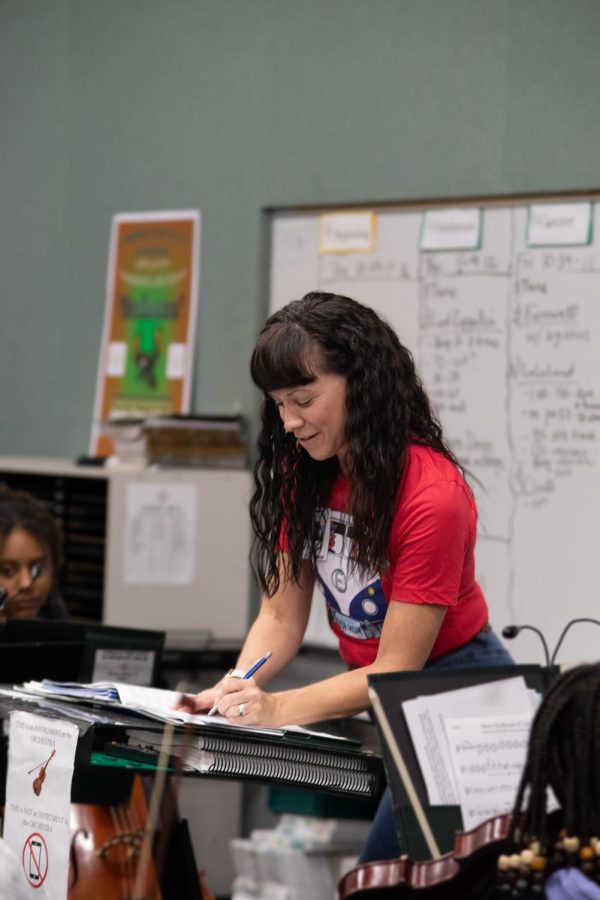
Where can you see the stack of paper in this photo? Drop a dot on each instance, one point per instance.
(151, 702)
(155, 704)
(100, 690)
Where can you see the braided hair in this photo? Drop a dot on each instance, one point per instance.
(386, 410)
(563, 755)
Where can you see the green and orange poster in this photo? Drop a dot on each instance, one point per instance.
(147, 346)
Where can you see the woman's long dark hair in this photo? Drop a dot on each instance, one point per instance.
(563, 755)
(386, 407)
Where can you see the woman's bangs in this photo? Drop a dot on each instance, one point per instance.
(281, 359)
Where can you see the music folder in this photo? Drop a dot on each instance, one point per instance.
(392, 689)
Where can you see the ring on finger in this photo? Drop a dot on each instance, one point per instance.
(242, 709)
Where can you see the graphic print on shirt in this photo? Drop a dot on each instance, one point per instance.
(355, 602)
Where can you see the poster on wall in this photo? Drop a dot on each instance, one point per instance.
(147, 347)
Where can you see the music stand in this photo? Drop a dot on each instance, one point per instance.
(392, 689)
(33, 649)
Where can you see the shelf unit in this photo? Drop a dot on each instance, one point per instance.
(92, 506)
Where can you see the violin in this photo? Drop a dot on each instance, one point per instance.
(467, 871)
(41, 776)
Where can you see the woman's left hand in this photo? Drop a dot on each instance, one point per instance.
(242, 702)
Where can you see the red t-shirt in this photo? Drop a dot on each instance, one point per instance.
(431, 560)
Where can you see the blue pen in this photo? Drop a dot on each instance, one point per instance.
(257, 665)
(253, 668)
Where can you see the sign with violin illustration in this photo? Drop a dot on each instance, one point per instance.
(147, 348)
(41, 755)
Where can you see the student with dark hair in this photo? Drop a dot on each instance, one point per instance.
(30, 558)
(559, 851)
(358, 492)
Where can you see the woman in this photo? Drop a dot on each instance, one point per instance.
(356, 489)
(30, 557)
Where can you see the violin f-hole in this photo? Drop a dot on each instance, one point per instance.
(73, 854)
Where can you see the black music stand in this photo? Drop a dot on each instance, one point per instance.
(33, 649)
(393, 689)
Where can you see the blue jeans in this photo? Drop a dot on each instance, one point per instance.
(485, 649)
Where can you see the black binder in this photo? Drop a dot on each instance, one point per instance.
(292, 759)
(393, 689)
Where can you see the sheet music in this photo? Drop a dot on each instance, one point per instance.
(425, 717)
(488, 754)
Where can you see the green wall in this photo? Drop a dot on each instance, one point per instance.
(232, 106)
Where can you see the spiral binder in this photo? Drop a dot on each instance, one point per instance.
(282, 771)
(288, 761)
(283, 751)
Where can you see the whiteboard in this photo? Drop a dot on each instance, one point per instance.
(507, 342)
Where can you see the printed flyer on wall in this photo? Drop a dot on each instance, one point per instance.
(147, 345)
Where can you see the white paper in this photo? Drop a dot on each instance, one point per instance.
(425, 719)
(159, 703)
(117, 357)
(347, 232)
(41, 757)
(129, 666)
(160, 533)
(176, 361)
(559, 224)
(451, 229)
(488, 755)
